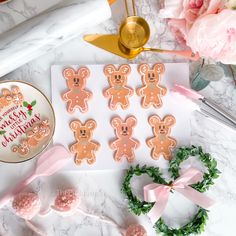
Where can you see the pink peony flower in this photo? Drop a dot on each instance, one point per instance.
(214, 36)
(136, 230)
(26, 205)
(66, 201)
(183, 14)
(190, 10)
(178, 29)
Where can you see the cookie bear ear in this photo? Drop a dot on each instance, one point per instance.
(91, 124)
(74, 125)
(6, 92)
(125, 69)
(131, 121)
(159, 68)
(153, 120)
(69, 73)
(45, 122)
(83, 72)
(143, 69)
(116, 122)
(15, 90)
(169, 120)
(109, 70)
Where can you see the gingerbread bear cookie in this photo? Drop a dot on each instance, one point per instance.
(161, 143)
(17, 96)
(77, 96)
(124, 144)
(85, 147)
(5, 99)
(118, 92)
(38, 133)
(151, 92)
(22, 149)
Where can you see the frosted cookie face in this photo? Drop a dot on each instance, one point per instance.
(118, 93)
(77, 96)
(85, 147)
(161, 143)
(125, 144)
(151, 91)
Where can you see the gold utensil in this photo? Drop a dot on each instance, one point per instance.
(134, 33)
(112, 44)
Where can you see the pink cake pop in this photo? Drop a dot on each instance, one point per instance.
(26, 205)
(66, 201)
(136, 230)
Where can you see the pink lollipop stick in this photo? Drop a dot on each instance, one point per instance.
(48, 163)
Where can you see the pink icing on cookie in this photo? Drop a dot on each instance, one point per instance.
(151, 91)
(125, 144)
(77, 96)
(26, 205)
(118, 92)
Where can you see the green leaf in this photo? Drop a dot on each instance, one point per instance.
(30, 112)
(33, 103)
(198, 83)
(2, 132)
(25, 104)
(212, 72)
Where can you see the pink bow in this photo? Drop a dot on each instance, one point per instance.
(159, 193)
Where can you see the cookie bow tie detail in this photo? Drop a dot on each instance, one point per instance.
(159, 193)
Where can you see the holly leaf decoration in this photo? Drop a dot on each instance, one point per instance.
(30, 112)
(33, 103)
(25, 104)
(2, 132)
(212, 72)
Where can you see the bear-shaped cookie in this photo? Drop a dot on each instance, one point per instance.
(22, 149)
(118, 92)
(43, 130)
(151, 91)
(34, 136)
(5, 99)
(85, 147)
(77, 96)
(161, 143)
(17, 96)
(124, 144)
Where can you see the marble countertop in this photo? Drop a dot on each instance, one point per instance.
(100, 191)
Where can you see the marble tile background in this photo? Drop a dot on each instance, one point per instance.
(100, 192)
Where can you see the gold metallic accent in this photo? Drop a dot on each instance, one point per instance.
(134, 33)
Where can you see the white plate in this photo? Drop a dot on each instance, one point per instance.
(15, 120)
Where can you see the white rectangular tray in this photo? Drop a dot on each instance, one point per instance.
(173, 104)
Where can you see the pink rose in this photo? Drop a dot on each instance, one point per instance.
(214, 36)
(190, 10)
(178, 28)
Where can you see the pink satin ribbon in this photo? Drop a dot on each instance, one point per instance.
(159, 193)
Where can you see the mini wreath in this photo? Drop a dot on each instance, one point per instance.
(138, 207)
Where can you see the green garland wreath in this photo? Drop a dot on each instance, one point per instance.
(138, 207)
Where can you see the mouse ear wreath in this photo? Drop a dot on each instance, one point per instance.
(183, 153)
(138, 207)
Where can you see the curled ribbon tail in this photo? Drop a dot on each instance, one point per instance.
(198, 198)
(159, 194)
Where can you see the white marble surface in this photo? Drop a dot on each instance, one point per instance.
(100, 191)
(48, 30)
